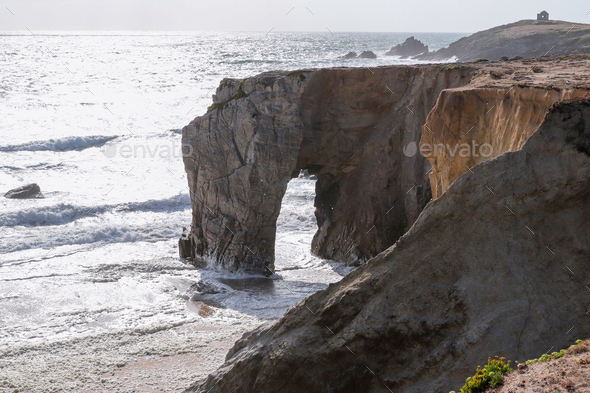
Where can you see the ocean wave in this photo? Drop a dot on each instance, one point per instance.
(61, 144)
(64, 213)
(98, 234)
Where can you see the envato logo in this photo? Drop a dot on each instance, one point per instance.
(166, 150)
(444, 150)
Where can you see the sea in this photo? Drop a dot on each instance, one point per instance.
(90, 277)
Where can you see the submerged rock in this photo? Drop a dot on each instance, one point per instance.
(411, 47)
(498, 265)
(200, 288)
(28, 191)
(349, 55)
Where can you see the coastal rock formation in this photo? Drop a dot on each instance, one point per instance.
(419, 316)
(349, 55)
(28, 191)
(410, 47)
(367, 55)
(347, 126)
(526, 38)
(469, 126)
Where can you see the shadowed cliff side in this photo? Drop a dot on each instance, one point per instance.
(419, 316)
(347, 126)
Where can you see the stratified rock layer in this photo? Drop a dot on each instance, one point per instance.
(469, 126)
(347, 126)
(497, 265)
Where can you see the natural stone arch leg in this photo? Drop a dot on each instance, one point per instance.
(238, 171)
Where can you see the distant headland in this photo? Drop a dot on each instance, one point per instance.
(523, 39)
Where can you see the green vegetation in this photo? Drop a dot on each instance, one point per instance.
(240, 94)
(220, 106)
(490, 376)
(545, 357)
(481, 60)
(229, 83)
(579, 347)
(449, 68)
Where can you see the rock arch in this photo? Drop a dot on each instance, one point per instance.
(347, 126)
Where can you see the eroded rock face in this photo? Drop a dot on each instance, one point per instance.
(421, 315)
(347, 126)
(469, 126)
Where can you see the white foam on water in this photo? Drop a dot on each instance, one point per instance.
(62, 144)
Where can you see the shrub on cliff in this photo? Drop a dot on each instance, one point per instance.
(491, 375)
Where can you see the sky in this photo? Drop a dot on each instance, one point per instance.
(281, 15)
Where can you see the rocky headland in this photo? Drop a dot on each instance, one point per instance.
(524, 39)
(495, 264)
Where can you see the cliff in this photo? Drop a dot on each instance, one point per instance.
(347, 126)
(526, 38)
(357, 130)
(501, 108)
(497, 265)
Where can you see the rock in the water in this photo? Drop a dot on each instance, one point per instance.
(367, 55)
(185, 245)
(411, 47)
(349, 55)
(29, 191)
(498, 265)
(197, 290)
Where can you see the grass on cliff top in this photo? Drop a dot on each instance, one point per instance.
(240, 94)
(492, 374)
